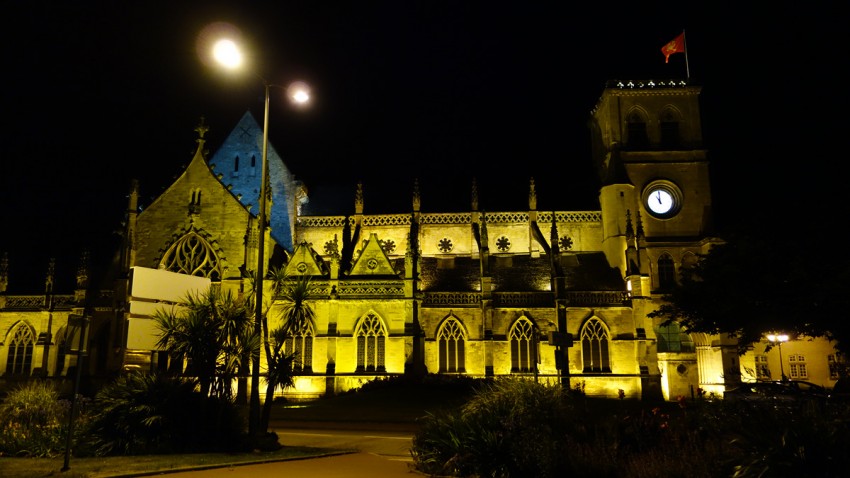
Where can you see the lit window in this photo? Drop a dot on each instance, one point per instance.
(20, 349)
(762, 370)
(594, 347)
(523, 346)
(371, 337)
(798, 366)
(301, 343)
(834, 366)
(451, 341)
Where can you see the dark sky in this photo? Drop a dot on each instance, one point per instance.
(95, 94)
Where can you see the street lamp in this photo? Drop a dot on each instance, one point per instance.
(778, 339)
(227, 53)
(79, 322)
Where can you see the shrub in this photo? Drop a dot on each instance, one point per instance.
(156, 414)
(509, 428)
(807, 440)
(519, 428)
(33, 421)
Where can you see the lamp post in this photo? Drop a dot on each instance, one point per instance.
(227, 53)
(81, 322)
(778, 339)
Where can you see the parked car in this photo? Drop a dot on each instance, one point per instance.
(778, 392)
(841, 390)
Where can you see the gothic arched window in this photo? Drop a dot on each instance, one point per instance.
(301, 343)
(20, 348)
(451, 339)
(671, 338)
(636, 129)
(594, 347)
(523, 346)
(666, 272)
(669, 127)
(62, 344)
(689, 260)
(192, 255)
(371, 337)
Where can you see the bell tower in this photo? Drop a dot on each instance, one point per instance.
(649, 154)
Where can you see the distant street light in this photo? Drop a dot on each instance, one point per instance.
(227, 53)
(778, 339)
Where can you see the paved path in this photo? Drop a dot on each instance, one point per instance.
(384, 452)
(351, 465)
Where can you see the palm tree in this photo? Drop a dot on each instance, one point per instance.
(213, 331)
(280, 372)
(296, 315)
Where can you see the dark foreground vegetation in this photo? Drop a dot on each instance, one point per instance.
(519, 428)
(465, 428)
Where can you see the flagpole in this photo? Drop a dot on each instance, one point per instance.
(687, 67)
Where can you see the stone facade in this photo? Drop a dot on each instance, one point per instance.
(559, 296)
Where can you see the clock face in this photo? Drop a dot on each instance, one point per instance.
(659, 201)
(662, 199)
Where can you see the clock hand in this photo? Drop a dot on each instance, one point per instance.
(658, 195)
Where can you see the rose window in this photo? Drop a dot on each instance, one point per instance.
(503, 244)
(371, 264)
(388, 246)
(445, 245)
(331, 247)
(566, 243)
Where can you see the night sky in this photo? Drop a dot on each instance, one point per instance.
(95, 94)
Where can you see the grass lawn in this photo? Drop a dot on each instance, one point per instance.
(128, 465)
(387, 404)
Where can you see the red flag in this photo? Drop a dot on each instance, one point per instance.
(676, 45)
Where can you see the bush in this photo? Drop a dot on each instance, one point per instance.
(808, 440)
(509, 428)
(155, 414)
(519, 428)
(33, 421)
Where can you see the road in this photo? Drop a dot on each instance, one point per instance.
(387, 443)
(383, 452)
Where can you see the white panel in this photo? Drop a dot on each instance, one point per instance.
(142, 334)
(164, 285)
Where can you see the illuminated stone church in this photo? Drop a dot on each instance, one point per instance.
(556, 295)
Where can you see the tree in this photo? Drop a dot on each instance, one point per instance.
(280, 372)
(296, 316)
(212, 331)
(752, 285)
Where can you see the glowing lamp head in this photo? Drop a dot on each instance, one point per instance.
(227, 54)
(298, 92)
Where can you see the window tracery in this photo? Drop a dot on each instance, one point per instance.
(594, 347)
(191, 254)
(300, 342)
(20, 350)
(451, 341)
(523, 346)
(371, 339)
